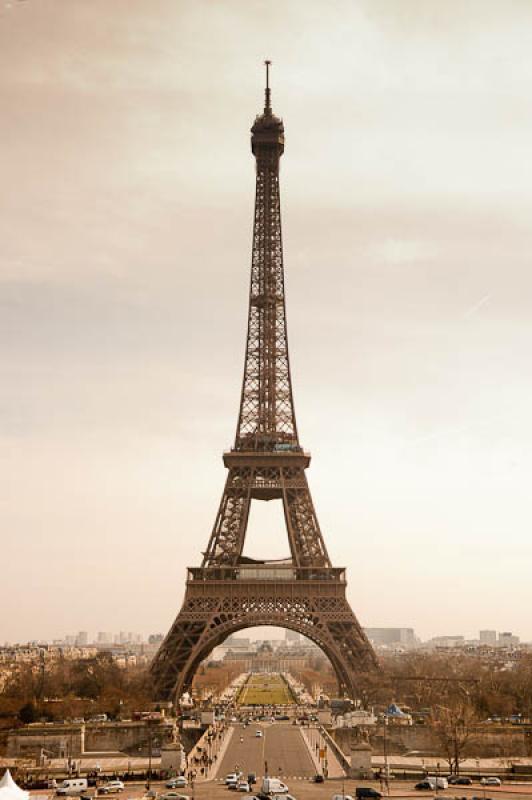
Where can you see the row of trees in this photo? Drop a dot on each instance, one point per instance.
(73, 688)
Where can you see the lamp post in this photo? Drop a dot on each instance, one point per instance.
(385, 751)
(150, 743)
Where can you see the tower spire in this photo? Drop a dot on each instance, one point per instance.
(267, 91)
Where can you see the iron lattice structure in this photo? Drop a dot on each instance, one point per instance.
(230, 592)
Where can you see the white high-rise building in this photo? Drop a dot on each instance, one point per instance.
(488, 638)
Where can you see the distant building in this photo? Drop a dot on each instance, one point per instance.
(391, 637)
(446, 641)
(292, 637)
(104, 638)
(488, 638)
(237, 642)
(507, 639)
(82, 639)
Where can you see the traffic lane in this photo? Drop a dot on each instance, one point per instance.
(245, 752)
(287, 753)
(281, 746)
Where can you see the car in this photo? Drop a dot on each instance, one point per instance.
(72, 786)
(458, 780)
(252, 778)
(490, 780)
(318, 779)
(367, 791)
(258, 734)
(177, 783)
(233, 777)
(173, 796)
(243, 786)
(341, 797)
(425, 786)
(111, 787)
(273, 786)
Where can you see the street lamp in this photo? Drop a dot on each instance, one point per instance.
(385, 751)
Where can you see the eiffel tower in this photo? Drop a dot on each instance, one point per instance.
(230, 592)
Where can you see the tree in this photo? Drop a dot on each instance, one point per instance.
(453, 729)
(27, 713)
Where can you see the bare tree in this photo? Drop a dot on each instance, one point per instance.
(453, 727)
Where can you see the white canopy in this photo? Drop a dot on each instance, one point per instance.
(9, 789)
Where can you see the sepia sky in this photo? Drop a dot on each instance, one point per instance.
(127, 187)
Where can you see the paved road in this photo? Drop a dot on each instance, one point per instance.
(305, 790)
(281, 746)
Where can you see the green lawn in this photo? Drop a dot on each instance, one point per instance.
(265, 690)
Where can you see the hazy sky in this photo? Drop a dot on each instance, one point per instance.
(127, 187)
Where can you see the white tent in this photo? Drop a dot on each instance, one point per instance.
(9, 789)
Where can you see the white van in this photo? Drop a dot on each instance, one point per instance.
(438, 783)
(72, 786)
(273, 786)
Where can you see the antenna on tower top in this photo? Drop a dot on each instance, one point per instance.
(267, 103)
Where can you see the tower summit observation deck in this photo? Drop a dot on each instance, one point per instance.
(229, 592)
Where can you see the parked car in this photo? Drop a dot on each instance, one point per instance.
(425, 786)
(72, 786)
(318, 779)
(438, 783)
(243, 786)
(457, 780)
(258, 734)
(252, 778)
(341, 797)
(173, 796)
(367, 791)
(179, 782)
(111, 788)
(490, 780)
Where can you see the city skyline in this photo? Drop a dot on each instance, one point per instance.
(489, 637)
(126, 234)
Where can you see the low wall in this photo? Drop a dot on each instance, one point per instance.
(54, 741)
(485, 742)
(73, 741)
(132, 738)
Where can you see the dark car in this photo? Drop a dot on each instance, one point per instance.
(427, 785)
(367, 791)
(252, 778)
(456, 780)
(318, 779)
